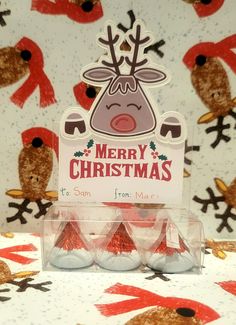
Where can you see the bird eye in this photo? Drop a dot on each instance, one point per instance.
(185, 312)
(200, 60)
(37, 142)
(26, 55)
(87, 6)
(91, 92)
(205, 2)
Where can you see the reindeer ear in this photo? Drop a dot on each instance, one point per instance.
(149, 75)
(99, 74)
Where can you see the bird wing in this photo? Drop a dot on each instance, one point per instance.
(24, 274)
(16, 194)
(51, 195)
(221, 186)
(206, 118)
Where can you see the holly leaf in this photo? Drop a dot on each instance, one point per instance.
(90, 143)
(162, 157)
(78, 154)
(152, 146)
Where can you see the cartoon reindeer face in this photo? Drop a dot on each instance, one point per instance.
(123, 109)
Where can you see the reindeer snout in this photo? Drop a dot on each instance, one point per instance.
(123, 123)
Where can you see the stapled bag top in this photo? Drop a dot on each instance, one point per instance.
(122, 150)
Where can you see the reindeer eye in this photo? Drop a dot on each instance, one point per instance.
(135, 105)
(111, 105)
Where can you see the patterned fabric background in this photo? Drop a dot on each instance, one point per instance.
(44, 44)
(113, 298)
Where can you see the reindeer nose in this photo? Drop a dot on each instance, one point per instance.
(123, 123)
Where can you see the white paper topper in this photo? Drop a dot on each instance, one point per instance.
(122, 150)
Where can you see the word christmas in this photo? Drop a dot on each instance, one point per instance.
(86, 169)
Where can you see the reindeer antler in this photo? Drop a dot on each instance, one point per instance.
(137, 42)
(110, 43)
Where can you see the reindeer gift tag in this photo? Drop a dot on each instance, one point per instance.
(122, 150)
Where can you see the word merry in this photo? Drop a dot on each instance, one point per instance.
(105, 152)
